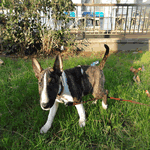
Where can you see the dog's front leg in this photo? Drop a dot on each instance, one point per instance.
(50, 118)
(81, 113)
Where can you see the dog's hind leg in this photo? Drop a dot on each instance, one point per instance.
(81, 113)
(104, 101)
(50, 118)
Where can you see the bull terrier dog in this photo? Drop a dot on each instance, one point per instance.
(63, 86)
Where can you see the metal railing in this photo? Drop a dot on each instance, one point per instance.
(116, 19)
(103, 19)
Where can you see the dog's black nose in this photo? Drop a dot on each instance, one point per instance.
(45, 105)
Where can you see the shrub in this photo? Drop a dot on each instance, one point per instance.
(23, 30)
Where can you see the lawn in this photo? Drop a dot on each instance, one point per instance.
(122, 126)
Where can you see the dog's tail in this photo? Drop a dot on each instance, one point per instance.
(102, 63)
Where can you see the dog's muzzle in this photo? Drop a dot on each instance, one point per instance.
(45, 106)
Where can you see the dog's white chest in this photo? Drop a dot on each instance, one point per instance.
(66, 95)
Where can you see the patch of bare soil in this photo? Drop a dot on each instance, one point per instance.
(65, 54)
(84, 54)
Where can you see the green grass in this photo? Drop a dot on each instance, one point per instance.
(122, 126)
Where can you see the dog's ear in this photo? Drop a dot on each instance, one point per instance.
(58, 65)
(36, 67)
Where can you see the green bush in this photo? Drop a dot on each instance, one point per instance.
(23, 29)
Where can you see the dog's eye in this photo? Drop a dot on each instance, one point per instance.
(40, 83)
(53, 80)
(49, 79)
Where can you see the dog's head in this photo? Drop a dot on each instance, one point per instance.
(48, 81)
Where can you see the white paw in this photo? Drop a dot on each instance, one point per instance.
(104, 105)
(44, 129)
(81, 123)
